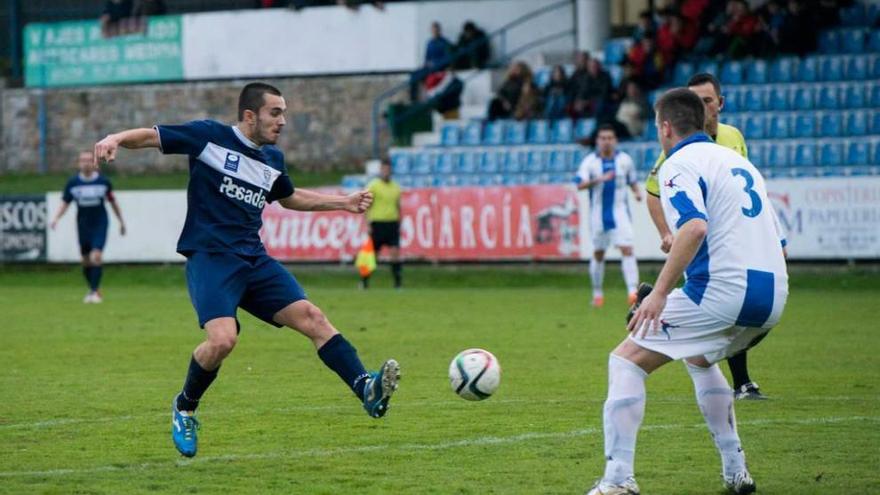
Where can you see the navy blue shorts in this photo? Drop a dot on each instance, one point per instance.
(220, 283)
(93, 237)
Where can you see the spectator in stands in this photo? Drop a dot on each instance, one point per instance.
(591, 91)
(579, 81)
(645, 27)
(116, 17)
(473, 47)
(644, 63)
(675, 37)
(772, 18)
(798, 31)
(529, 105)
(438, 53)
(444, 93)
(506, 102)
(692, 11)
(740, 30)
(556, 95)
(634, 110)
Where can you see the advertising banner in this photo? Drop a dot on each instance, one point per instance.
(75, 53)
(23, 228)
(478, 223)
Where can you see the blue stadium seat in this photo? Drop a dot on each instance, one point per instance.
(857, 123)
(857, 68)
(650, 132)
(446, 181)
(683, 71)
(804, 154)
(852, 40)
(515, 133)
(779, 126)
(875, 152)
(401, 163)
(855, 15)
(514, 162)
(732, 100)
(779, 97)
(732, 73)
(584, 128)
(490, 161)
(539, 132)
(831, 153)
(472, 159)
(472, 133)
(808, 69)
(755, 127)
(353, 182)
(874, 63)
(535, 161)
(829, 41)
(560, 161)
(829, 97)
(514, 179)
(736, 120)
(875, 126)
(784, 69)
(425, 162)
(490, 179)
(855, 95)
(404, 180)
(542, 75)
(832, 68)
(709, 66)
(469, 166)
(635, 152)
(753, 99)
(650, 158)
(803, 98)
(563, 131)
(494, 132)
(615, 50)
(804, 125)
(616, 73)
(776, 155)
(858, 153)
(874, 41)
(831, 124)
(449, 134)
(448, 163)
(756, 72)
(758, 153)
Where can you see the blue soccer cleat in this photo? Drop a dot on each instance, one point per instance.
(379, 387)
(183, 430)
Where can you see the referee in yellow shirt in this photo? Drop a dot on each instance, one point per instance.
(384, 218)
(707, 87)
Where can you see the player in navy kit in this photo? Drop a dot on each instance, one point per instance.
(89, 189)
(234, 172)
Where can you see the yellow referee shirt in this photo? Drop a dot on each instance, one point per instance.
(386, 201)
(728, 136)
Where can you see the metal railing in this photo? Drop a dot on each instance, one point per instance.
(501, 60)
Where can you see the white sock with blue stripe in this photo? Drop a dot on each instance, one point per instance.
(597, 275)
(715, 398)
(623, 414)
(630, 273)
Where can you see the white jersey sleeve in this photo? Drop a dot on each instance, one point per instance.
(587, 170)
(682, 197)
(629, 168)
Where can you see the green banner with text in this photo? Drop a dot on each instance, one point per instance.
(75, 53)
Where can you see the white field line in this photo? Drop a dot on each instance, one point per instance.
(410, 447)
(60, 422)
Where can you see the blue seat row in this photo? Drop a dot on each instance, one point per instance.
(807, 96)
(815, 153)
(784, 69)
(512, 132)
(860, 14)
(488, 160)
(440, 180)
(782, 125)
(850, 40)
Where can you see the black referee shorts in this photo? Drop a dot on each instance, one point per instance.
(385, 234)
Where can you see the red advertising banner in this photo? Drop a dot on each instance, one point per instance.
(478, 223)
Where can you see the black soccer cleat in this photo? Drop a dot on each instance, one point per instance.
(641, 293)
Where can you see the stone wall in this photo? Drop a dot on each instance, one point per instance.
(328, 120)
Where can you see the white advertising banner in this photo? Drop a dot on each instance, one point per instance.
(825, 218)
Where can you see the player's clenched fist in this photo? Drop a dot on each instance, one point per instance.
(105, 149)
(360, 201)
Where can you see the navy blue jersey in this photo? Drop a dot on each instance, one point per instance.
(230, 181)
(89, 195)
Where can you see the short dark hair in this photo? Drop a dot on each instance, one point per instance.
(683, 109)
(251, 97)
(703, 78)
(606, 127)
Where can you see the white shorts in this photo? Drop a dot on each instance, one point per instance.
(688, 331)
(622, 235)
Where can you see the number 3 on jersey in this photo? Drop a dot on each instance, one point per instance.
(756, 207)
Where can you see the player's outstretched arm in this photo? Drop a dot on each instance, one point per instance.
(105, 149)
(688, 241)
(306, 200)
(118, 213)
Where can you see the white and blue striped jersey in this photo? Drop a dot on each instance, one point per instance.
(230, 181)
(608, 201)
(738, 275)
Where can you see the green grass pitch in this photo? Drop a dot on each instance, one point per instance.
(85, 390)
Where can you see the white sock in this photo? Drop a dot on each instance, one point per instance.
(623, 413)
(597, 275)
(630, 273)
(715, 398)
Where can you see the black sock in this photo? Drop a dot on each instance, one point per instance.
(197, 381)
(95, 279)
(739, 370)
(365, 282)
(87, 273)
(340, 356)
(396, 268)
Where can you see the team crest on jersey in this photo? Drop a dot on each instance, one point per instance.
(232, 161)
(267, 177)
(671, 182)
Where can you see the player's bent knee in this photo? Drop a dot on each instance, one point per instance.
(223, 344)
(599, 255)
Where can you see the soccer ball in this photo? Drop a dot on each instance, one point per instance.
(474, 374)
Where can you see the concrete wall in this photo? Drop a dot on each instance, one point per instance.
(328, 119)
